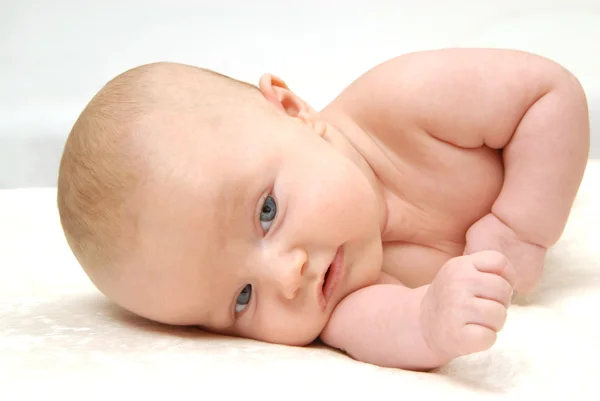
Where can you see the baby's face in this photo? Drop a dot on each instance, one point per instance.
(241, 237)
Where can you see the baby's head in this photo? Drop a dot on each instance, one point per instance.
(191, 198)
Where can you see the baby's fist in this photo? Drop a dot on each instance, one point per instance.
(466, 304)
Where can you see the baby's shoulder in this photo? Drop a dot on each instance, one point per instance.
(388, 97)
(464, 97)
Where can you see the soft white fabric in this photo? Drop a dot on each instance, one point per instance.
(60, 339)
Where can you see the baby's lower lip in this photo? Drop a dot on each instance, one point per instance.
(336, 269)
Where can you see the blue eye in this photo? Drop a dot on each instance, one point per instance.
(268, 213)
(243, 299)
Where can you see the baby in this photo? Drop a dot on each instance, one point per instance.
(394, 224)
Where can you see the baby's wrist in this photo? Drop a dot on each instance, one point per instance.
(490, 233)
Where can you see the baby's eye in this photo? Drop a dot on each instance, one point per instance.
(268, 213)
(243, 299)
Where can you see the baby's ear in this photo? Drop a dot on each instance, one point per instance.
(276, 91)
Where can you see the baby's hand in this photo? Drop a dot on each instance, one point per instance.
(489, 233)
(465, 305)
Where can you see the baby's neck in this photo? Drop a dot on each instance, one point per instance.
(361, 148)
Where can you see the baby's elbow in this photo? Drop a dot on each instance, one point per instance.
(573, 90)
(581, 116)
(572, 106)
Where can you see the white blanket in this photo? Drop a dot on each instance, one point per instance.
(60, 339)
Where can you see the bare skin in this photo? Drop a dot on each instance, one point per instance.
(443, 177)
(451, 192)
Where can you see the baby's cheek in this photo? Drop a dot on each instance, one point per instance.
(358, 201)
(296, 328)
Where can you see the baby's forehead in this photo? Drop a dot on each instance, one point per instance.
(199, 163)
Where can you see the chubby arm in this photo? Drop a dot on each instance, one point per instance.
(526, 105)
(380, 324)
(459, 313)
(544, 160)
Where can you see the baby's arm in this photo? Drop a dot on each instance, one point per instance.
(381, 325)
(528, 106)
(423, 328)
(544, 160)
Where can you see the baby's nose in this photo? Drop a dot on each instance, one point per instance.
(289, 274)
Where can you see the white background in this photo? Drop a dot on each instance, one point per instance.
(55, 55)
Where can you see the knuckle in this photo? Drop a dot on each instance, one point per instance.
(499, 317)
(501, 286)
(507, 289)
(503, 313)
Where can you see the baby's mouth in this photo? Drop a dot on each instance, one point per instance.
(326, 276)
(332, 276)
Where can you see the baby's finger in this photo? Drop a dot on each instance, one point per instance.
(493, 287)
(495, 263)
(477, 338)
(490, 314)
